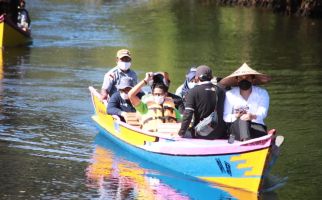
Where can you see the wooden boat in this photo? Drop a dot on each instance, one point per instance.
(11, 35)
(239, 165)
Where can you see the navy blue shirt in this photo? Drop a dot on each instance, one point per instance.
(116, 105)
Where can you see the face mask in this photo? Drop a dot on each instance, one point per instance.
(244, 85)
(124, 65)
(191, 85)
(124, 96)
(159, 99)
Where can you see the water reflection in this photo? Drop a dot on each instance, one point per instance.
(45, 106)
(11, 63)
(11, 60)
(119, 175)
(31, 113)
(1, 68)
(117, 178)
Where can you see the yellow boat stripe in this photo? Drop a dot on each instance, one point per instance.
(252, 160)
(249, 184)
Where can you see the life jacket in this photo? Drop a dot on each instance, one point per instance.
(157, 114)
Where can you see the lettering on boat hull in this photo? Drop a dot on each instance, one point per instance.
(224, 167)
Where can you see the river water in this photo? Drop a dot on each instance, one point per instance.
(51, 149)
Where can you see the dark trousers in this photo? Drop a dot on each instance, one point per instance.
(244, 130)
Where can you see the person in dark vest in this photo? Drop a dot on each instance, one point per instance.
(201, 101)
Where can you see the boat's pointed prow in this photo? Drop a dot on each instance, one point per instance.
(98, 103)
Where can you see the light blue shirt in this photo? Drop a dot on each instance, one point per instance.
(113, 78)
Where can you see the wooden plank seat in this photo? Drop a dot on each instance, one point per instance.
(132, 119)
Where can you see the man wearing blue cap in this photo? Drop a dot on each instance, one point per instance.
(119, 103)
(188, 84)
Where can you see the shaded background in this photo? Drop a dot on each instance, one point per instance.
(48, 143)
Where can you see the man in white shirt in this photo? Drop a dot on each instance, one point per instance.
(246, 105)
(113, 77)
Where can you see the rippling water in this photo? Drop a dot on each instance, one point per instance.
(50, 148)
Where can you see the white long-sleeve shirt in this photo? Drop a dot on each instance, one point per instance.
(257, 103)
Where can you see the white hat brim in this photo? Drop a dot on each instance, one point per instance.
(244, 70)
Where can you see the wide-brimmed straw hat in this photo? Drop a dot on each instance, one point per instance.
(259, 78)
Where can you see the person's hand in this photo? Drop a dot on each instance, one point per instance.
(124, 115)
(148, 77)
(248, 117)
(240, 113)
(104, 98)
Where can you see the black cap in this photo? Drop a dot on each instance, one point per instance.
(204, 73)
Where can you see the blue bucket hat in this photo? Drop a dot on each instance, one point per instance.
(191, 74)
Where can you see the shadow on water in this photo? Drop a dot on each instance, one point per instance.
(116, 173)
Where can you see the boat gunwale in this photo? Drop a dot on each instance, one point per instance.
(108, 134)
(267, 138)
(12, 25)
(239, 147)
